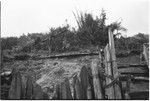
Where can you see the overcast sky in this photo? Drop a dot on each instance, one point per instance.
(28, 16)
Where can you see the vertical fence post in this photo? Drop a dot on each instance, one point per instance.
(96, 81)
(15, 91)
(84, 77)
(77, 88)
(114, 64)
(145, 53)
(65, 90)
(108, 70)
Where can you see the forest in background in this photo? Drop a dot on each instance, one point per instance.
(92, 33)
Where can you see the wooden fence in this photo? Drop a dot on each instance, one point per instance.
(100, 81)
(23, 87)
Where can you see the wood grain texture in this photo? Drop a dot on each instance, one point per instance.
(96, 81)
(114, 64)
(108, 70)
(16, 86)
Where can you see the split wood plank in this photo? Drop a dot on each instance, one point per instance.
(77, 88)
(15, 91)
(65, 90)
(29, 88)
(56, 93)
(85, 83)
(146, 53)
(96, 81)
(114, 64)
(108, 70)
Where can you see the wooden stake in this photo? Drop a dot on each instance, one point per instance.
(146, 54)
(84, 81)
(77, 88)
(16, 86)
(65, 90)
(108, 70)
(96, 81)
(114, 63)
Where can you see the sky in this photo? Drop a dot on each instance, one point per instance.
(31, 16)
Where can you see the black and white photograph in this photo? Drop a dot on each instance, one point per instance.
(74, 49)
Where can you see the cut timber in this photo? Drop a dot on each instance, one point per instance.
(146, 53)
(96, 81)
(131, 65)
(109, 91)
(56, 93)
(16, 86)
(132, 70)
(84, 77)
(24, 80)
(62, 91)
(134, 74)
(29, 88)
(114, 64)
(65, 90)
(82, 88)
(142, 79)
(77, 88)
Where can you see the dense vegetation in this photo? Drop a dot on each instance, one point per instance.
(91, 34)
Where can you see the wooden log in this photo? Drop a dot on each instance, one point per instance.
(96, 81)
(77, 88)
(89, 92)
(24, 81)
(128, 87)
(108, 70)
(114, 64)
(65, 90)
(146, 53)
(56, 92)
(29, 88)
(120, 66)
(85, 83)
(15, 91)
(84, 77)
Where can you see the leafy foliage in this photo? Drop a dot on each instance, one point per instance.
(132, 43)
(91, 32)
(9, 42)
